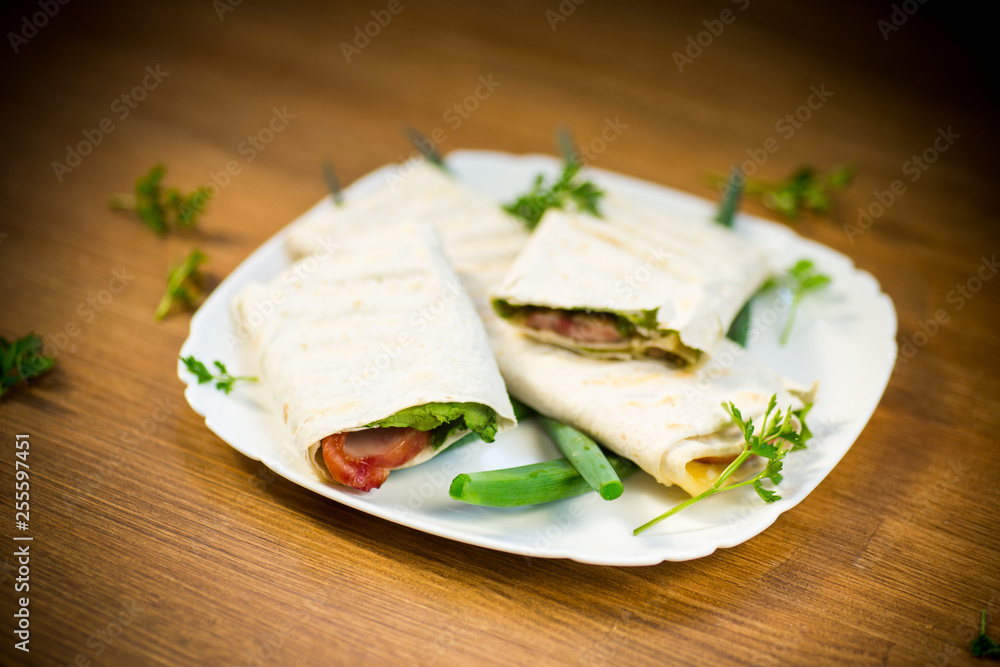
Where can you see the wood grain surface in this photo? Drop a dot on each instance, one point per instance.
(156, 543)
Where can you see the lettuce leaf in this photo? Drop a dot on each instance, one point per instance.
(645, 319)
(443, 419)
(626, 321)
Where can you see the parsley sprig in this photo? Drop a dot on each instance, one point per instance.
(780, 433)
(184, 283)
(800, 280)
(22, 360)
(162, 209)
(566, 192)
(806, 190)
(223, 381)
(983, 646)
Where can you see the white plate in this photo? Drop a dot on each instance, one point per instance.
(844, 337)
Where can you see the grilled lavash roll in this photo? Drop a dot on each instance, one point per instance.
(377, 325)
(669, 421)
(625, 287)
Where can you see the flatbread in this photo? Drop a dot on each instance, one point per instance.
(663, 419)
(661, 275)
(378, 324)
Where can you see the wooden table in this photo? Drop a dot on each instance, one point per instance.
(156, 543)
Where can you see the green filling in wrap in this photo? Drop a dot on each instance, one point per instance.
(444, 419)
(641, 335)
(626, 323)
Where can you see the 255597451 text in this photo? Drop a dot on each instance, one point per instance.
(22, 557)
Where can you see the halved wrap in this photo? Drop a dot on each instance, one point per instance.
(669, 421)
(375, 355)
(624, 287)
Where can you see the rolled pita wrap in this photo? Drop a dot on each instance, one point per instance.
(375, 355)
(630, 286)
(670, 422)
